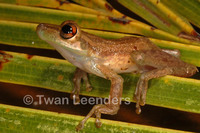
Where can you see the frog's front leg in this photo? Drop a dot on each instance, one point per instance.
(78, 75)
(113, 105)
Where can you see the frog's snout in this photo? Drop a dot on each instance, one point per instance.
(40, 28)
(47, 31)
(191, 70)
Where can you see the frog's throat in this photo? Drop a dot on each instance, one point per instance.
(75, 51)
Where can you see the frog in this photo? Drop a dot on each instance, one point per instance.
(109, 58)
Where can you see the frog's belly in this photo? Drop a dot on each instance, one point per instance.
(121, 64)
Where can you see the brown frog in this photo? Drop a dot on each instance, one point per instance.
(108, 58)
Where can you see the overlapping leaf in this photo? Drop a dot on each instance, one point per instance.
(182, 93)
(18, 119)
(39, 15)
(160, 16)
(24, 35)
(187, 8)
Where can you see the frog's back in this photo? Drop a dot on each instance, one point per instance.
(124, 46)
(116, 53)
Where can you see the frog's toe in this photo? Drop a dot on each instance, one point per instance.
(80, 126)
(138, 110)
(98, 123)
(89, 88)
(75, 98)
(143, 96)
(72, 95)
(138, 103)
(137, 96)
(76, 102)
(142, 103)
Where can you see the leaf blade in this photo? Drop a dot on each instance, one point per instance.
(19, 119)
(56, 4)
(160, 16)
(40, 15)
(45, 72)
(189, 9)
(24, 35)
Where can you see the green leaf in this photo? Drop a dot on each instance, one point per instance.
(56, 4)
(169, 91)
(17, 119)
(102, 6)
(187, 8)
(24, 34)
(41, 15)
(160, 16)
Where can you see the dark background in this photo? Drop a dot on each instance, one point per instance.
(13, 94)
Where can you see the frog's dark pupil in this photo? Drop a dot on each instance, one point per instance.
(67, 29)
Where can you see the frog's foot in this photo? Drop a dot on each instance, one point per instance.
(75, 95)
(89, 88)
(142, 85)
(87, 83)
(140, 94)
(155, 63)
(78, 76)
(75, 98)
(98, 110)
(77, 81)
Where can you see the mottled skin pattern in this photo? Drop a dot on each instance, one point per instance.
(108, 58)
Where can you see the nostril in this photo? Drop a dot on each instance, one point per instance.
(40, 26)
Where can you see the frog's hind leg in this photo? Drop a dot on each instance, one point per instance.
(142, 85)
(154, 64)
(78, 76)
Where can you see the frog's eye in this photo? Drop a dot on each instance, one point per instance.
(68, 31)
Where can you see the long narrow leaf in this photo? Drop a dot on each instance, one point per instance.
(17, 119)
(94, 7)
(37, 15)
(56, 4)
(103, 6)
(160, 16)
(169, 91)
(24, 34)
(188, 8)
